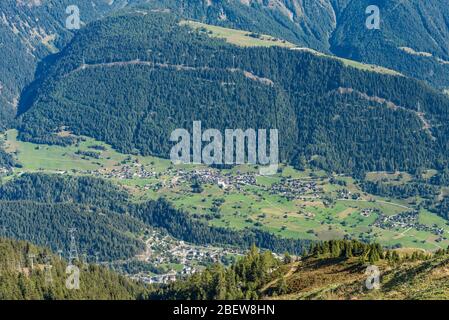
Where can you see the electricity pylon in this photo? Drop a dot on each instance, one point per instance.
(73, 251)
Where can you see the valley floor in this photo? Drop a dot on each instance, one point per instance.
(294, 204)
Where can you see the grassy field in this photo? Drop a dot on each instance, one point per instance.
(345, 279)
(251, 206)
(392, 178)
(239, 37)
(353, 64)
(55, 158)
(249, 39)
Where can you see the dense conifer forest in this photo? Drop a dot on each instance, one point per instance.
(42, 208)
(336, 117)
(44, 277)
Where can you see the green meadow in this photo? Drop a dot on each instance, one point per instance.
(248, 39)
(253, 206)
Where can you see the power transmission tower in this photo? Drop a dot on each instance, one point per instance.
(32, 256)
(85, 265)
(47, 270)
(60, 254)
(182, 6)
(73, 251)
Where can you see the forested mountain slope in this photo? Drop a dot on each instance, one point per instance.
(339, 27)
(30, 30)
(338, 117)
(413, 37)
(54, 204)
(45, 277)
(307, 23)
(109, 224)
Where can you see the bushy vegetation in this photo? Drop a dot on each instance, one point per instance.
(348, 249)
(6, 160)
(411, 189)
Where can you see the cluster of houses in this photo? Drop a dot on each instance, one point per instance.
(289, 188)
(127, 172)
(165, 250)
(179, 176)
(409, 219)
(345, 194)
(294, 189)
(163, 278)
(211, 176)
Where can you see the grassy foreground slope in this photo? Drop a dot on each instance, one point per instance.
(344, 279)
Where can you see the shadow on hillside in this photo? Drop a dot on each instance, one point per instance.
(338, 262)
(29, 92)
(409, 274)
